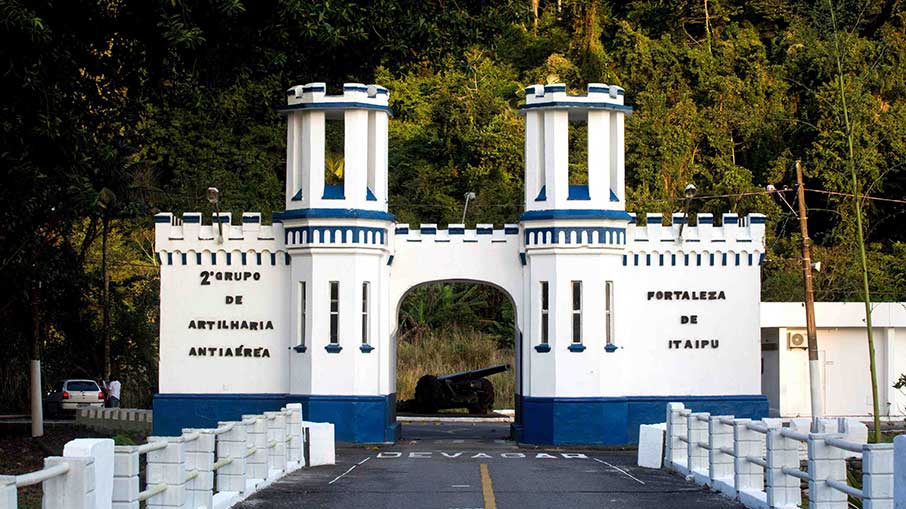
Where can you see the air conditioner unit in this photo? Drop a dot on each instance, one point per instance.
(796, 339)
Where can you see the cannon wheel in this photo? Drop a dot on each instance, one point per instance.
(485, 395)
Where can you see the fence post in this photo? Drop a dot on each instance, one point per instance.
(125, 477)
(825, 462)
(782, 490)
(101, 450)
(877, 476)
(276, 434)
(720, 464)
(321, 447)
(899, 471)
(294, 428)
(256, 432)
(8, 492)
(232, 444)
(697, 432)
(168, 466)
(748, 476)
(72, 490)
(200, 457)
(675, 453)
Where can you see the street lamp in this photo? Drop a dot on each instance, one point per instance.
(214, 198)
(469, 196)
(689, 193)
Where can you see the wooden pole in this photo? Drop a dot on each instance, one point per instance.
(814, 367)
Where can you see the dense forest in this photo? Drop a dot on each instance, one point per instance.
(117, 109)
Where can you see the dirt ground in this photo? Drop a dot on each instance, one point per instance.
(20, 454)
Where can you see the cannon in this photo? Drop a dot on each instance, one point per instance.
(467, 389)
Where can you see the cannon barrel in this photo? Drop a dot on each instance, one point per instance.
(475, 374)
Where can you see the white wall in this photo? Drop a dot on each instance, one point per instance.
(843, 355)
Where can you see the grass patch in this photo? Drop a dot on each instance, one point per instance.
(450, 350)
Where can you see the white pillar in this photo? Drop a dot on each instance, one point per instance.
(256, 433)
(293, 155)
(599, 156)
(312, 158)
(720, 464)
(877, 476)
(825, 462)
(276, 434)
(697, 433)
(294, 429)
(8, 492)
(619, 155)
(377, 157)
(749, 476)
(101, 451)
(167, 466)
(556, 157)
(355, 157)
(72, 490)
(534, 157)
(126, 485)
(232, 444)
(675, 455)
(200, 457)
(782, 490)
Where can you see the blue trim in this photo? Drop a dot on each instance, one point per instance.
(332, 214)
(606, 235)
(542, 194)
(169, 258)
(333, 348)
(361, 419)
(252, 219)
(522, 259)
(730, 219)
(157, 257)
(163, 218)
(576, 347)
(577, 105)
(334, 192)
(616, 420)
(605, 90)
(334, 106)
(533, 215)
(613, 196)
(354, 88)
(300, 348)
(191, 218)
(555, 88)
(339, 234)
(311, 89)
(369, 196)
(297, 196)
(401, 230)
(366, 348)
(514, 230)
(610, 348)
(700, 219)
(543, 347)
(427, 230)
(759, 219)
(229, 259)
(578, 192)
(390, 260)
(184, 259)
(484, 231)
(456, 231)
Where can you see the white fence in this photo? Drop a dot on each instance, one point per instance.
(202, 468)
(115, 419)
(757, 462)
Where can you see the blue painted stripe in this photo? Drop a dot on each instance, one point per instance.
(533, 215)
(606, 235)
(578, 192)
(213, 258)
(163, 218)
(484, 231)
(191, 218)
(428, 230)
(197, 258)
(334, 192)
(251, 219)
(606, 90)
(542, 194)
(323, 213)
(169, 258)
(578, 105)
(758, 219)
(369, 196)
(511, 230)
(229, 258)
(731, 219)
(705, 219)
(401, 230)
(244, 259)
(184, 258)
(297, 196)
(390, 260)
(334, 106)
(555, 88)
(522, 259)
(316, 88)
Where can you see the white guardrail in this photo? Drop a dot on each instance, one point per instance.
(758, 462)
(202, 468)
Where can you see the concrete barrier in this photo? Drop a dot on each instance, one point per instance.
(113, 420)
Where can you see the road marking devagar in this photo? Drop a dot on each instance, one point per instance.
(487, 488)
(634, 478)
(337, 478)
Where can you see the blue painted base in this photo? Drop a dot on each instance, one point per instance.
(358, 419)
(615, 420)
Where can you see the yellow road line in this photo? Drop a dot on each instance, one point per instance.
(487, 488)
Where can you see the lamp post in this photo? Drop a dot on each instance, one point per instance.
(214, 198)
(469, 196)
(105, 201)
(689, 193)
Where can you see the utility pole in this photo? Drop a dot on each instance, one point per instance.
(814, 368)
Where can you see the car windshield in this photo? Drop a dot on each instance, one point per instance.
(82, 385)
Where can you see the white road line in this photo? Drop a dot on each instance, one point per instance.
(460, 485)
(337, 478)
(634, 478)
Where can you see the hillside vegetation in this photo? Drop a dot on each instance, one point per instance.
(117, 109)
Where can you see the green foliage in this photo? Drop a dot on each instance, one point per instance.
(158, 100)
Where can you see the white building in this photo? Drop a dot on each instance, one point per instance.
(842, 352)
(614, 319)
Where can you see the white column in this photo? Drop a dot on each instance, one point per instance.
(377, 158)
(101, 451)
(599, 157)
(877, 476)
(72, 490)
(782, 490)
(534, 157)
(293, 155)
(676, 427)
(720, 464)
(276, 437)
(8, 492)
(256, 431)
(125, 477)
(697, 433)
(746, 442)
(825, 462)
(294, 429)
(619, 157)
(167, 466)
(312, 157)
(355, 157)
(233, 445)
(200, 457)
(556, 157)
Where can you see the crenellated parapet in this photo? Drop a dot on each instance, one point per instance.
(356, 95)
(457, 233)
(186, 241)
(738, 241)
(598, 96)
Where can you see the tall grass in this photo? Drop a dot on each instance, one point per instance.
(450, 350)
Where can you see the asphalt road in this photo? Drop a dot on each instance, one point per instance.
(452, 465)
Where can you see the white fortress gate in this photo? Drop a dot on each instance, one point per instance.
(615, 319)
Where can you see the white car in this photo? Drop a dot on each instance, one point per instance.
(70, 395)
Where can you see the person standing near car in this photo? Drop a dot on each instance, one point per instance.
(114, 388)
